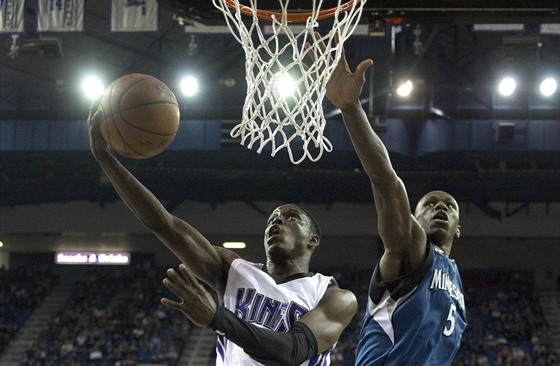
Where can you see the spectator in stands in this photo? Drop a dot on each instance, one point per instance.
(95, 326)
(504, 357)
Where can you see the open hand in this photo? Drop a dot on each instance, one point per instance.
(344, 86)
(196, 302)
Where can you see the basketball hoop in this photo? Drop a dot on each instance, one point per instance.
(291, 17)
(269, 117)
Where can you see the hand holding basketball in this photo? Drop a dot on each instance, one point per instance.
(96, 140)
(138, 116)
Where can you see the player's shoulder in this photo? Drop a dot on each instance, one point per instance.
(340, 300)
(339, 293)
(227, 257)
(226, 254)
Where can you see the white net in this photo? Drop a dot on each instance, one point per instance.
(277, 57)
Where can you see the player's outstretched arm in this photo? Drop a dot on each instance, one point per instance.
(192, 248)
(402, 236)
(313, 334)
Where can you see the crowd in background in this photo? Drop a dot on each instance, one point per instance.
(506, 322)
(113, 317)
(20, 292)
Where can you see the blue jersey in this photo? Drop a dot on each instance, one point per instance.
(417, 319)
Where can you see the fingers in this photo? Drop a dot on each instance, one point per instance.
(196, 303)
(171, 304)
(95, 104)
(94, 117)
(177, 285)
(181, 283)
(319, 41)
(178, 280)
(363, 66)
(187, 274)
(171, 286)
(322, 46)
(342, 64)
(95, 108)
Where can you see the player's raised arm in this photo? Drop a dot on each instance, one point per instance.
(403, 305)
(190, 246)
(402, 236)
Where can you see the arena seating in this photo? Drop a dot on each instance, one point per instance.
(20, 292)
(114, 318)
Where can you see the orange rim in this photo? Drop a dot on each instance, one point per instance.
(291, 17)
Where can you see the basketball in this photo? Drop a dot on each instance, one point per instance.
(140, 116)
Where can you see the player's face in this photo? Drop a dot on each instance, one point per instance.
(438, 213)
(287, 233)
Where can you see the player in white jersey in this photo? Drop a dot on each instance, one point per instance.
(290, 238)
(276, 313)
(410, 320)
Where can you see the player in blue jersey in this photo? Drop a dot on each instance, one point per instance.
(277, 313)
(415, 311)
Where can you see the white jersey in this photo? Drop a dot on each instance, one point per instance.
(254, 296)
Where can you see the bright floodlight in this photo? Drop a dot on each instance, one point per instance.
(92, 87)
(506, 86)
(189, 86)
(548, 87)
(285, 85)
(405, 89)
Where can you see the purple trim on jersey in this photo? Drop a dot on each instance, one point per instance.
(220, 346)
(320, 360)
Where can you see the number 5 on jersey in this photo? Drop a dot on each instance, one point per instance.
(450, 323)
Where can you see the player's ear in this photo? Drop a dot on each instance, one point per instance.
(458, 232)
(314, 240)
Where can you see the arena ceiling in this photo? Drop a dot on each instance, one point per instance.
(438, 43)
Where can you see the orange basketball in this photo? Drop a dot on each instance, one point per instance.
(140, 116)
